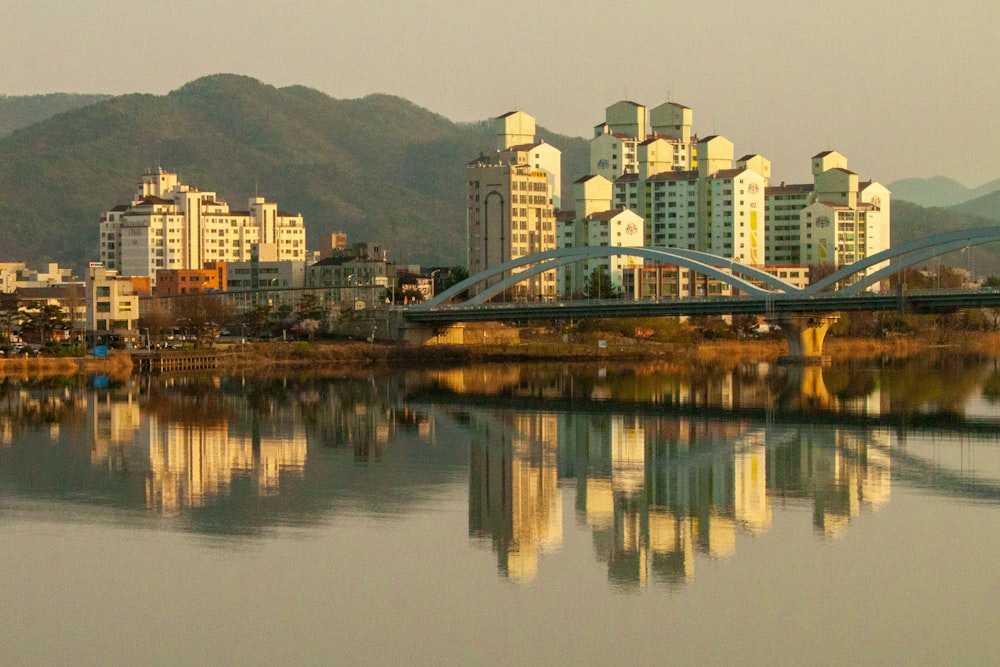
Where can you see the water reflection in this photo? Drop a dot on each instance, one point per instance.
(663, 465)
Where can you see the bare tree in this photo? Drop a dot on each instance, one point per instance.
(156, 321)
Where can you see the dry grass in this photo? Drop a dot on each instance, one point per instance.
(346, 357)
(118, 364)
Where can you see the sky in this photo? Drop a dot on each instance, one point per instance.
(907, 89)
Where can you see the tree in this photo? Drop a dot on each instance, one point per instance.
(309, 327)
(712, 327)
(46, 318)
(309, 307)
(201, 314)
(599, 285)
(10, 317)
(256, 319)
(746, 326)
(453, 276)
(156, 321)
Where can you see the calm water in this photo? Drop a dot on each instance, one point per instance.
(505, 514)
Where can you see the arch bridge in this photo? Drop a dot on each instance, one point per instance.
(804, 314)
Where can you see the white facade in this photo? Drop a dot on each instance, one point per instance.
(17, 275)
(839, 234)
(513, 129)
(510, 215)
(621, 228)
(736, 216)
(673, 210)
(111, 304)
(170, 225)
(612, 155)
(541, 157)
(620, 144)
(627, 118)
(783, 207)
(715, 209)
(835, 220)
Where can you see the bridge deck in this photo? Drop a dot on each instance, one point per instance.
(917, 301)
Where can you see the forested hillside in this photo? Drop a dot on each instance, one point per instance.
(378, 168)
(22, 111)
(910, 221)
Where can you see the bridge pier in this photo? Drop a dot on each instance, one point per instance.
(805, 335)
(422, 334)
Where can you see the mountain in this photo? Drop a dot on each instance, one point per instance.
(378, 168)
(987, 206)
(910, 222)
(938, 191)
(22, 111)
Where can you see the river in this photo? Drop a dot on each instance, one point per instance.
(505, 514)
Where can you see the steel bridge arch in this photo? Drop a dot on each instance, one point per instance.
(711, 265)
(919, 251)
(703, 263)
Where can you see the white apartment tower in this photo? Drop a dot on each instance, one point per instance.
(516, 143)
(511, 203)
(712, 207)
(616, 148)
(171, 225)
(834, 220)
(596, 223)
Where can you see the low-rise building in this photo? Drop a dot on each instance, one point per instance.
(112, 304)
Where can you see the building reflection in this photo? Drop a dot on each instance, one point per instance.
(656, 492)
(192, 441)
(189, 465)
(514, 498)
(661, 470)
(659, 491)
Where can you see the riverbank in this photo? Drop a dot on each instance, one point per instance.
(331, 356)
(713, 353)
(117, 364)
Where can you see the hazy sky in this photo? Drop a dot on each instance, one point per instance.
(902, 89)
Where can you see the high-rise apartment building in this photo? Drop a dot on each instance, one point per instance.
(171, 225)
(835, 220)
(511, 203)
(713, 208)
(616, 150)
(693, 195)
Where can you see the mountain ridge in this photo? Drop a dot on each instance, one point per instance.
(379, 168)
(939, 191)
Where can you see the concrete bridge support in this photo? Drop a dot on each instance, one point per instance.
(422, 334)
(805, 335)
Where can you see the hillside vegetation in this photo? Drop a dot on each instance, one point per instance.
(910, 221)
(22, 111)
(378, 168)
